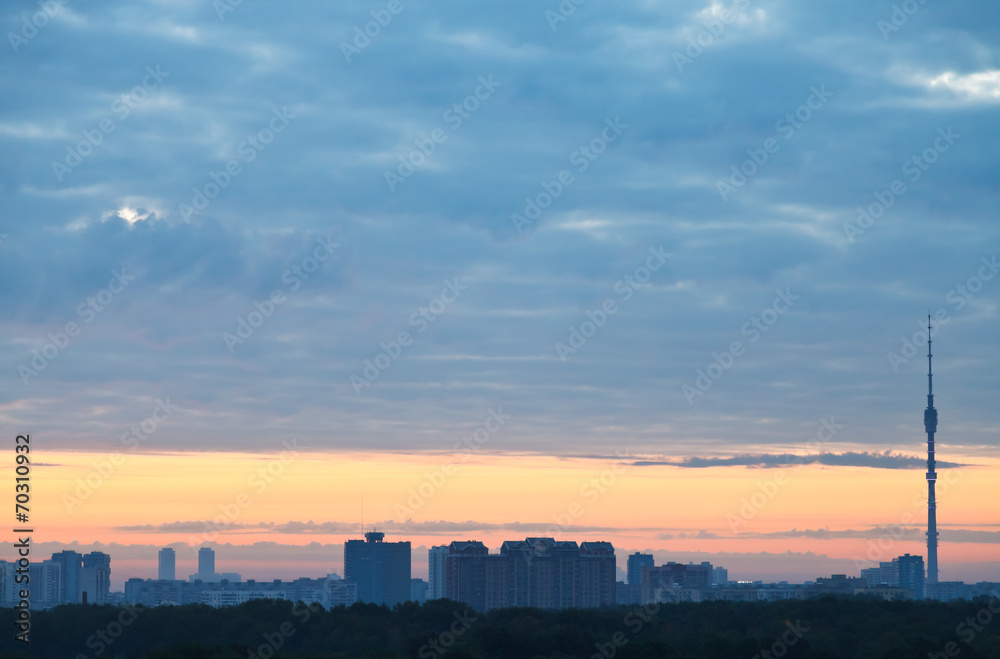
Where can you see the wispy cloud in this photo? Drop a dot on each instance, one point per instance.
(873, 459)
(910, 533)
(436, 527)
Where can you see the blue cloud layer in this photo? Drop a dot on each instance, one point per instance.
(219, 82)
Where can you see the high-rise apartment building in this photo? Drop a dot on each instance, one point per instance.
(911, 574)
(381, 570)
(659, 582)
(47, 586)
(636, 562)
(95, 578)
(435, 571)
(69, 583)
(538, 572)
(206, 564)
(8, 590)
(167, 568)
(465, 573)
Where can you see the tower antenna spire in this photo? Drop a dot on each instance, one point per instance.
(930, 425)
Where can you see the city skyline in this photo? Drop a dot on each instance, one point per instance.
(540, 572)
(659, 274)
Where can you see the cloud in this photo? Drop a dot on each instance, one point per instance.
(655, 185)
(893, 532)
(873, 459)
(983, 86)
(431, 527)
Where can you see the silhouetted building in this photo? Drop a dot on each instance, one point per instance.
(889, 573)
(435, 571)
(595, 575)
(636, 562)
(380, 569)
(340, 592)
(465, 573)
(720, 576)
(46, 584)
(537, 572)
(8, 590)
(418, 591)
(946, 591)
(626, 593)
(675, 582)
(69, 586)
(330, 591)
(95, 578)
(872, 577)
(206, 564)
(839, 584)
(911, 574)
(167, 565)
(149, 592)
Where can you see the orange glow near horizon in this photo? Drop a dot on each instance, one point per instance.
(661, 508)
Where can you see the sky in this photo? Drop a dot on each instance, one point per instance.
(652, 272)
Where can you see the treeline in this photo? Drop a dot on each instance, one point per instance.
(827, 628)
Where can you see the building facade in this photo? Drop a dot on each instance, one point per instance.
(330, 591)
(167, 565)
(379, 569)
(94, 585)
(435, 571)
(911, 574)
(636, 562)
(206, 564)
(537, 572)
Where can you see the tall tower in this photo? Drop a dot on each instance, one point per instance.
(930, 425)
